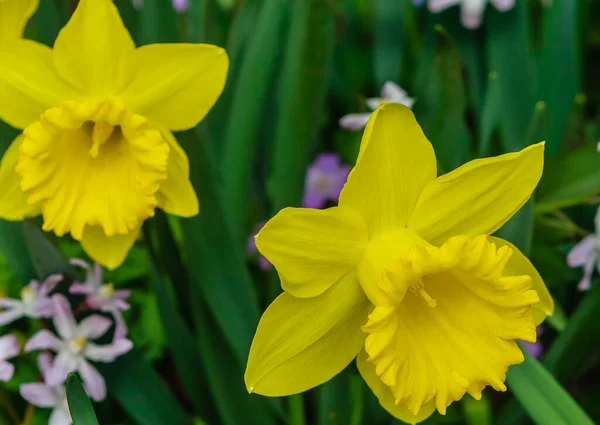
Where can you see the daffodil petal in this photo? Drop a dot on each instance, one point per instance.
(110, 251)
(177, 84)
(301, 343)
(29, 83)
(479, 197)
(176, 194)
(313, 249)
(518, 265)
(94, 51)
(395, 163)
(14, 15)
(385, 396)
(13, 201)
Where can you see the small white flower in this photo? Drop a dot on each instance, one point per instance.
(587, 254)
(471, 12)
(101, 296)
(390, 93)
(34, 303)
(41, 394)
(75, 349)
(9, 347)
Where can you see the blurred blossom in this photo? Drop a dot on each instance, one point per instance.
(101, 296)
(536, 349)
(471, 12)
(263, 263)
(74, 349)
(325, 179)
(418, 3)
(390, 92)
(179, 5)
(586, 254)
(34, 302)
(41, 394)
(9, 347)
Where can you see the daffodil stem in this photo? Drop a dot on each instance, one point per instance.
(356, 395)
(296, 410)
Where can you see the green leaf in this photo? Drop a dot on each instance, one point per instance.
(559, 53)
(301, 98)
(80, 405)
(158, 23)
(225, 375)
(519, 229)
(46, 258)
(141, 391)
(216, 264)
(334, 404)
(511, 61)
(544, 399)
(441, 107)
(13, 247)
(389, 39)
(181, 342)
(249, 101)
(569, 179)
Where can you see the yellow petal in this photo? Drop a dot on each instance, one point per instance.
(108, 251)
(385, 396)
(313, 249)
(94, 51)
(29, 83)
(519, 264)
(14, 15)
(176, 194)
(301, 343)
(395, 164)
(177, 84)
(13, 201)
(479, 197)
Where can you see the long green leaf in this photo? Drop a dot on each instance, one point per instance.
(301, 97)
(569, 179)
(217, 264)
(141, 391)
(80, 405)
(250, 96)
(544, 399)
(512, 62)
(181, 343)
(46, 258)
(389, 40)
(14, 250)
(560, 53)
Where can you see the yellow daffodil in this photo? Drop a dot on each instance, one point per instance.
(97, 155)
(404, 275)
(14, 14)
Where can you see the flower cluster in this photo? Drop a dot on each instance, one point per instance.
(586, 254)
(74, 345)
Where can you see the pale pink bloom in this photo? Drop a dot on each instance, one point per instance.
(586, 254)
(471, 12)
(34, 303)
(75, 349)
(101, 296)
(181, 5)
(325, 179)
(390, 93)
(41, 394)
(9, 347)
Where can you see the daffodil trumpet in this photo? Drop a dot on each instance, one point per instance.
(97, 155)
(404, 276)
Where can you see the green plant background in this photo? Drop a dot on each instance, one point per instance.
(297, 66)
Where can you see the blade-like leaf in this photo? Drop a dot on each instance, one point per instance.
(80, 405)
(544, 399)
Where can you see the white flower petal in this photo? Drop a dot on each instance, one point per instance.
(44, 340)
(93, 327)
(579, 255)
(63, 317)
(9, 347)
(38, 394)
(92, 381)
(354, 122)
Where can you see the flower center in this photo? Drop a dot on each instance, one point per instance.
(77, 345)
(28, 295)
(92, 163)
(107, 291)
(446, 321)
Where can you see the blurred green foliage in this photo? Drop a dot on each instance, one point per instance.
(297, 66)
